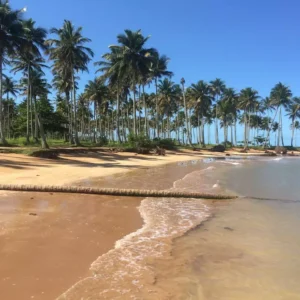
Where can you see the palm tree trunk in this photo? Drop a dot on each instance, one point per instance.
(28, 103)
(199, 131)
(31, 114)
(36, 125)
(145, 112)
(118, 115)
(235, 133)
(279, 129)
(203, 130)
(156, 134)
(293, 133)
(231, 134)
(245, 131)
(3, 141)
(76, 140)
(8, 112)
(216, 124)
(41, 127)
(134, 111)
(186, 117)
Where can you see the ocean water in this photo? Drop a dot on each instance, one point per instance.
(246, 248)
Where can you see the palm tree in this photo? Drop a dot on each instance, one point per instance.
(280, 97)
(169, 92)
(39, 88)
(189, 140)
(70, 56)
(134, 61)
(12, 41)
(31, 56)
(158, 69)
(27, 63)
(9, 88)
(227, 110)
(201, 100)
(248, 100)
(217, 88)
(111, 68)
(96, 91)
(294, 113)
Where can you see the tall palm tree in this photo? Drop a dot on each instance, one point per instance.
(35, 41)
(70, 56)
(227, 110)
(294, 113)
(26, 63)
(169, 92)
(280, 97)
(217, 88)
(96, 91)
(39, 88)
(201, 98)
(248, 100)
(135, 60)
(158, 69)
(9, 88)
(187, 125)
(111, 68)
(12, 41)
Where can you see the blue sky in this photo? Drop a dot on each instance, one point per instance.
(246, 43)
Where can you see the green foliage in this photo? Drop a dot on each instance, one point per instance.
(168, 144)
(140, 141)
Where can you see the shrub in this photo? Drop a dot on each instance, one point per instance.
(140, 142)
(218, 148)
(167, 144)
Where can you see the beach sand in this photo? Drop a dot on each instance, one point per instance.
(48, 241)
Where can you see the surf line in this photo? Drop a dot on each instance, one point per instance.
(114, 192)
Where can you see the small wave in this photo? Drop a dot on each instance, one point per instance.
(126, 270)
(277, 159)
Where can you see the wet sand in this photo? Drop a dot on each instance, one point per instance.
(43, 255)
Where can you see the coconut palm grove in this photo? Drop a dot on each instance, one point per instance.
(131, 98)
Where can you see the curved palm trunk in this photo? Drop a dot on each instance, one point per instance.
(76, 140)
